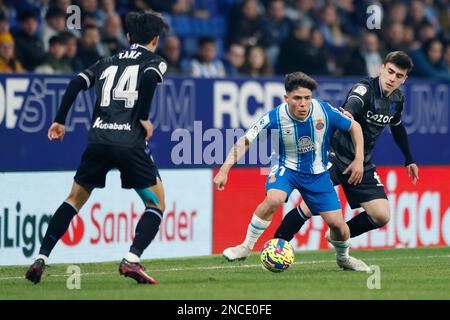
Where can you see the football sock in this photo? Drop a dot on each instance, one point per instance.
(146, 230)
(41, 256)
(131, 257)
(291, 224)
(57, 227)
(341, 247)
(360, 224)
(254, 231)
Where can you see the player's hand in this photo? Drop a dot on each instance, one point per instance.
(220, 180)
(413, 172)
(357, 170)
(56, 131)
(148, 126)
(345, 112)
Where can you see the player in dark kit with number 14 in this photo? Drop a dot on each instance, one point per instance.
(124, 86)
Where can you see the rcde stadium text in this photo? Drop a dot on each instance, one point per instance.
(227, 309)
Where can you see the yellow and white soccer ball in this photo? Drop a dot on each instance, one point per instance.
(277, 255)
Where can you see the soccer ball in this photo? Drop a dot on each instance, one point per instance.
(277, 255)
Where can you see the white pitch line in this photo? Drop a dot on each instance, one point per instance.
(229, 267)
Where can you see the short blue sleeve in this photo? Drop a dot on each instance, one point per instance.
(267, 122)
(337, 119)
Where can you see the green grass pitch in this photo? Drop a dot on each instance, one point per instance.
(422, 273)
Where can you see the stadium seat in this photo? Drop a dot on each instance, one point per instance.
(181, 25)
(201, 27)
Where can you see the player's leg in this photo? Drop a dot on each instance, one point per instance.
(58, 225)
(260, 221)
(293, 221)
(339, 236)
(371, 196)
(320, 196)
(90, 174)
(375, 215)
(63, 216)
(140, 173)
(148, 224)
(296, 218)
(278, 188)
(146, 230)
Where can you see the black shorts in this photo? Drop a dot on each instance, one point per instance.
(370, 188)
(136, 167)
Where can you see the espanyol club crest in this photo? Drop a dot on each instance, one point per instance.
(305, 144)
(320, 124)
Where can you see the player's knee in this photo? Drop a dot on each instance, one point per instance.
(274, 202)
(381, 218)
(75, 201)
(162, 206)
(337, 225)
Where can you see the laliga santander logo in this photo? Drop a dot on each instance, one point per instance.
(75, 232)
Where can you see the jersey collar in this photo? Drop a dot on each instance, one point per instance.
(137, 45)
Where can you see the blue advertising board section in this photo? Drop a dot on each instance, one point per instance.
(194, 118)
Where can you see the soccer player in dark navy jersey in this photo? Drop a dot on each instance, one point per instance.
(124, 85)
(374, 103)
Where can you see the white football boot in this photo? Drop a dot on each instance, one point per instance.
(239, 252)
(353, 264)
(349, 263)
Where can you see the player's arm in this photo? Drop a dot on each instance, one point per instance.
(357, 98)
(152, 75)
(83, 81)
(57, 129)
(401, 139)
(342, 122)
(357, 166)
(239, 149)
(236, 152)
(147, 89)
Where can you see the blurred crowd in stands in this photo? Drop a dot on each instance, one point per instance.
(217, 38)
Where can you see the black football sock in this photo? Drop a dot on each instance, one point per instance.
(146, 230)
(291, 224)
(57, 227)
(360, 224)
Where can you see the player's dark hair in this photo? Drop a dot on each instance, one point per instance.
(296, 80)
(399, 59)
(143, 26)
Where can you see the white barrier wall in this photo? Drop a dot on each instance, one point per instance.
(104, 228)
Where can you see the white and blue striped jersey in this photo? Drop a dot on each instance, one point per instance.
(303, 145)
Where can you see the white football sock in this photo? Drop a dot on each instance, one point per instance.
(255, 230)
(41, 256)
(341, 247)
(131, 257)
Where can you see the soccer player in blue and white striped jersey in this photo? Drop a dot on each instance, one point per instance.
(305, 127)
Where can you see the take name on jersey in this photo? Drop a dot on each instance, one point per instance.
(129, 54)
